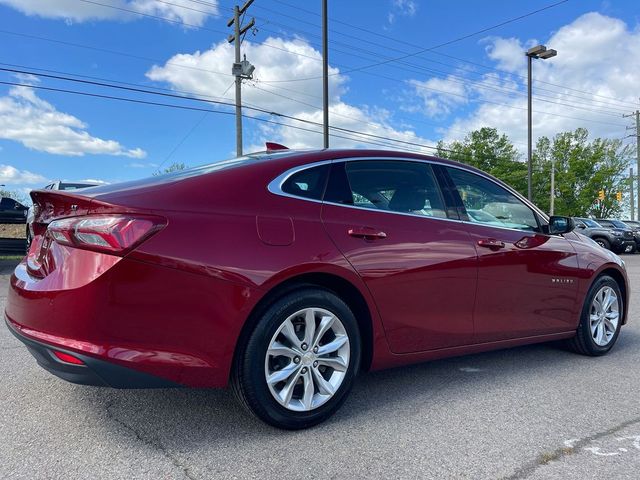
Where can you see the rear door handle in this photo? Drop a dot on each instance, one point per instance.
(491, 243)
(367, 233)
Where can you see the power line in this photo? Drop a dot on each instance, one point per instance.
(113, 52)
(182, 97)
(199, 109)
(377, 139)
(484, 101)
(222, 73)
(157, 17)
(388, 60)
(406, 43)
(449, 76)
(61, 76)
(448, 42)
(299, 54)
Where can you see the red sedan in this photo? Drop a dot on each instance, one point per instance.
(286, 273)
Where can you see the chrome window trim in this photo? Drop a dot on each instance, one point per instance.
(275, 187)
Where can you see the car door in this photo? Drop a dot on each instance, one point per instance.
(527, 280)
(389, 219)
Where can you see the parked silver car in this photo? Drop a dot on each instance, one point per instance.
(59, 185)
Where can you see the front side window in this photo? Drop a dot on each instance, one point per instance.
(396, 186)
(488, 203)
(619, 224)
(590, 223)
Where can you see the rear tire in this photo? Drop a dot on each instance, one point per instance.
(600, 320)
(299, 362)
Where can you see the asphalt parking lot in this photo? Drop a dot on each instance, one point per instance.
(535, 412)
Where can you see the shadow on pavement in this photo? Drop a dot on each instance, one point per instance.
(188, 419)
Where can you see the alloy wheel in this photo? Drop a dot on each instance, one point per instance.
(604, 316)
(307, 359)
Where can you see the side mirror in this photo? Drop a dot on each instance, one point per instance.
(560, 225)
(581, 226)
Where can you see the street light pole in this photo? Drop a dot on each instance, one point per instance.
(539, 51)
(325, 76)
(553, 185)
(529, 136)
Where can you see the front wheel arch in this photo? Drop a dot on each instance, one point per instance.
(622, 285)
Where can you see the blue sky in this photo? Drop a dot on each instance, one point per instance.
(47, 135)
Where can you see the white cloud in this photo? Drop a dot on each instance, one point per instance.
(508, 53)
(405, 8)
(35, 123)
(596, 54)
(298, 98)
(10, 175)
(79, 11)
(142, 165)
(93, 180)
(439, 96)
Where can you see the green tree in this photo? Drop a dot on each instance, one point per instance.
(19, 196)
(174, 167)
(582, 169)
(491, 152)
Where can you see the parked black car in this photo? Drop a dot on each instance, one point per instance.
(635, 226)
(612, 238)
(12, 211)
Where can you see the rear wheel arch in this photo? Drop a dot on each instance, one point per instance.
(336, 284)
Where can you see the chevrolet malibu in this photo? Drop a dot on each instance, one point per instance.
(284, 274)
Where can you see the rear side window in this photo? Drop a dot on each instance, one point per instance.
(396, 186)
(307, 183)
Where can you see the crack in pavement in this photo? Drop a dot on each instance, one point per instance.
(155, 445)
(560, 453)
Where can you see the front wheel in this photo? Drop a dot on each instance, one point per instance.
(299, 363)
(601, 318)
(603, 242)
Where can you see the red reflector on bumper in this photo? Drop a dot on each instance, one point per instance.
(65, 357)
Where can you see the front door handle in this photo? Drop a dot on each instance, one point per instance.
(367, 233)
(491, 243)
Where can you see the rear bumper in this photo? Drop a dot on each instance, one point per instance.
(93, 372)
(160, 322)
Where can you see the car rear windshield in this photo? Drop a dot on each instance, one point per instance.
(75, 186)
(224, 164)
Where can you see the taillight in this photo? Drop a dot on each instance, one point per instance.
(104, 233)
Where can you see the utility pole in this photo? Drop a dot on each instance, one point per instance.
(553, 185)
(638, 156)
(240, 69)
(631, 192)
(325, 76)
(637, 135)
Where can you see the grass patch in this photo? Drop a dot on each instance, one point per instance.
(11, 257)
